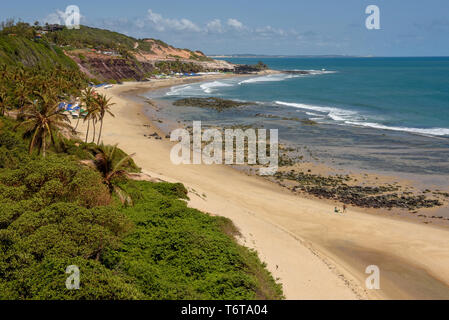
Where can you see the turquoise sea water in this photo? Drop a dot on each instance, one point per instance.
(410, 94)
(389, 114)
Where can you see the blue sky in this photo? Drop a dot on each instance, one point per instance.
(286, 27)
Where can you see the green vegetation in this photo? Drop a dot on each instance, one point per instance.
(42, 120)
(52, 212)
(21, 51)
(195, 56)
(19, 47)
(260, 66)
(93, 38)
(25, 91)
(245, 68)
(159, 42)
(22, 29)
(309, 122)
(32, 95)
(178, 66)
(23, 45)
(56, 212)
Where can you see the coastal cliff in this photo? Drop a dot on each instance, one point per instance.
(102, 55)
(107, 55)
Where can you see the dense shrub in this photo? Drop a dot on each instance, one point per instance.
(46, 281)
(54, 179)
(37, 246)
(12, 147)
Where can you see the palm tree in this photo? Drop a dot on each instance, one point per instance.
(87, 100)
(93, 115)
(103, 105)
(110, 167)
(79, 115)
(43, 119)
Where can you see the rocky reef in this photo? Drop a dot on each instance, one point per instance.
(210, 103)
(344, 189)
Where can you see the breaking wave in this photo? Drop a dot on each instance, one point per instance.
(270, 78)
(349, 117)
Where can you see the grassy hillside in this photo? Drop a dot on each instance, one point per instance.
(16, 50)
(87, 37)
(102, 55)
(100, 39)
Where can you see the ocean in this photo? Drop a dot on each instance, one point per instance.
(380, 114)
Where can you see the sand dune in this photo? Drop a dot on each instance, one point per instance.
(315, 253)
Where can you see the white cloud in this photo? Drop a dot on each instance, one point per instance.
(227, 28)
(234, 23)
(269, 31)
(163, 24)
(215, 26)
(57, 17)
(139, 23)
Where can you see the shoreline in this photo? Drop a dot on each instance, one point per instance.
(320, 170)
(303, 244)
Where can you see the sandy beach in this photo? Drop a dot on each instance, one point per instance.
(315, 253)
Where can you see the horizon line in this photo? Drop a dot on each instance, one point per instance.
(236, 55)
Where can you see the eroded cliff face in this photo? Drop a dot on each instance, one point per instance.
(103, 67)
(107, 66)
(163, 51)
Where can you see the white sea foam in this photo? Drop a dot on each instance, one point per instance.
(179, 90)
(197, 89)
(349, 117)
(208, 87)
(313, 114)
(333, 113)
(319, 72)
(285, 76)
(270, 78)
(422, 131)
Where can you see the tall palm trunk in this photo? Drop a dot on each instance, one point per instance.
(77, 121)
(43, 144)
(87, 132)
(101, 129)
(94, 124)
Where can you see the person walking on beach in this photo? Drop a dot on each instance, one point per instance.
(344, 208)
